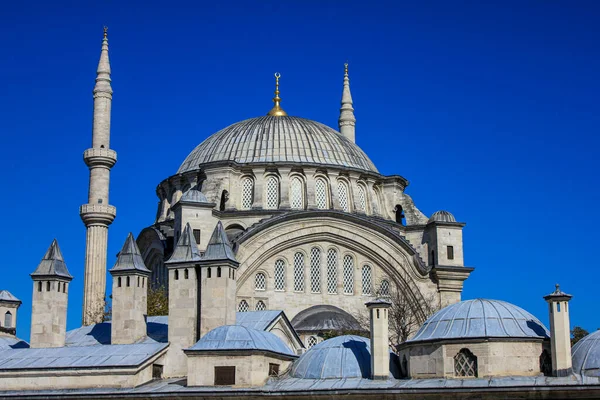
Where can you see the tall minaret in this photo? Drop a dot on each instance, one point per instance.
(97, 214)
(347, 121)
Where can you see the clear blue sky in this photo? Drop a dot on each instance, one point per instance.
(489, 110)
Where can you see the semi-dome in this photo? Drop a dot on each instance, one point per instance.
(341, 357)
(586, 355)
(323, 318)
(272, 139)
(236, 337)
(442, 216)
(481, 318)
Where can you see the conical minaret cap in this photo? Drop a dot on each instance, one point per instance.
(186, 249)
(130, 258)
(219, 248)
(53, 264)
(103, 71)
(346, 111)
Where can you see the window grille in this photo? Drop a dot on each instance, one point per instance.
(260, 281)
(348, 275)
(321, 194)
(465, 364)
(272, 195)
(273, 369)
(332, 271)
(315, 270)
(279, 275)
(311, 341)
(299, 272)
(367, 278)
(247, 187)
(260, 306)
(8, 320)
(296, 194)
(343, 196)
(362, 199)
(243, 306)
(384, 289)
(225, 375)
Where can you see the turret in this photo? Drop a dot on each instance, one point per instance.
(183, 302)
(9, 305)
(50, 296)
(347, 120)
(193, 208)
(380, 344)
(218, 283)
(560, 332)
(129, 295)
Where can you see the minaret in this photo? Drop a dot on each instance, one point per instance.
(560, 332)
(98, 214)
(347, 121)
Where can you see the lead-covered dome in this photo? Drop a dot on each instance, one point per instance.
(272, 139)
(586, 355)
(481, 318)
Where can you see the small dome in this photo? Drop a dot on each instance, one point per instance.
(324, 318)
(442, 216)
(586, 355)
(341, 357)
(481, 318)
(236, 337)
(194, 196)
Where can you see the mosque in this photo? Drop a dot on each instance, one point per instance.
(274, 236)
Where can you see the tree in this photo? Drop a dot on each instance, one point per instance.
(577, 334)
(158, 301)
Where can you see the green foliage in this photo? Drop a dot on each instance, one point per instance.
(158, 301)
(577, 334)
(331, 334)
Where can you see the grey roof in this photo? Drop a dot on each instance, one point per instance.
(271, 139)
(236, 337)
(5, 295)
(442, 216)
(117, 355)
(52, 264)
(193, 195)
(99, 334)
(11, 342)
(342, 357)
(186, 249)
(260, 320)
(218, 248)
(129, 258)
(586, 355)
(481, 318)
(324, 318)
(557, 294)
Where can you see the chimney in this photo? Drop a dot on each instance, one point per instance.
(560, 332)
(380, 346)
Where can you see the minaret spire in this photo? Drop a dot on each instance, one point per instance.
(277, 111)
(347, 121)
(98, 214)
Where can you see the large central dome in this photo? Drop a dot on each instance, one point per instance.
(282, 139)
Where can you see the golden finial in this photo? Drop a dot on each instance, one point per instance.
(105, 32)
(277, 111)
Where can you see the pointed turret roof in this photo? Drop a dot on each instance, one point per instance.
(347, 117)
(5, 295)
(218, 248)
(129, 258)
(186, 249)
(103, 71)
(52, 264)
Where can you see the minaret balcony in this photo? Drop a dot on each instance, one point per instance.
(99, 157)
(97, 214)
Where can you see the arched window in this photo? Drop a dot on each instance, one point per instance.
(362, 199)
(348, 275)
(384, 289)
(176, 275)
(64, 288)
(208, 273)
(8, 320)
(367, 279)
(315, 270)
(224, 198)
(279, 275)
(39, 286)
(247, 193)
(321, 197)
(296, 193)
(272, 193)
(48, 286)
(299, 272)
(260, 306)
(332, 271)
(218, 272)
(260, 281)
(311, 341)
(399, 214)
(465, 364)
(186, 275)
(128, 280)
(243, 306)
(343, 196)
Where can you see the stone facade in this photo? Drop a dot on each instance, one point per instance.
(8, 316)
(129, 308)
(49, 312)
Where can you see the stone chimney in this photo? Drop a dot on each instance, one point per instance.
(560, 332)
(380, 346)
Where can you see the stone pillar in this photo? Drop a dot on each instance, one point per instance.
(450, 282)
(258, 200)
(311, 202)
(380, 344)
(560, 332)
(285, 188)
(217, 296)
